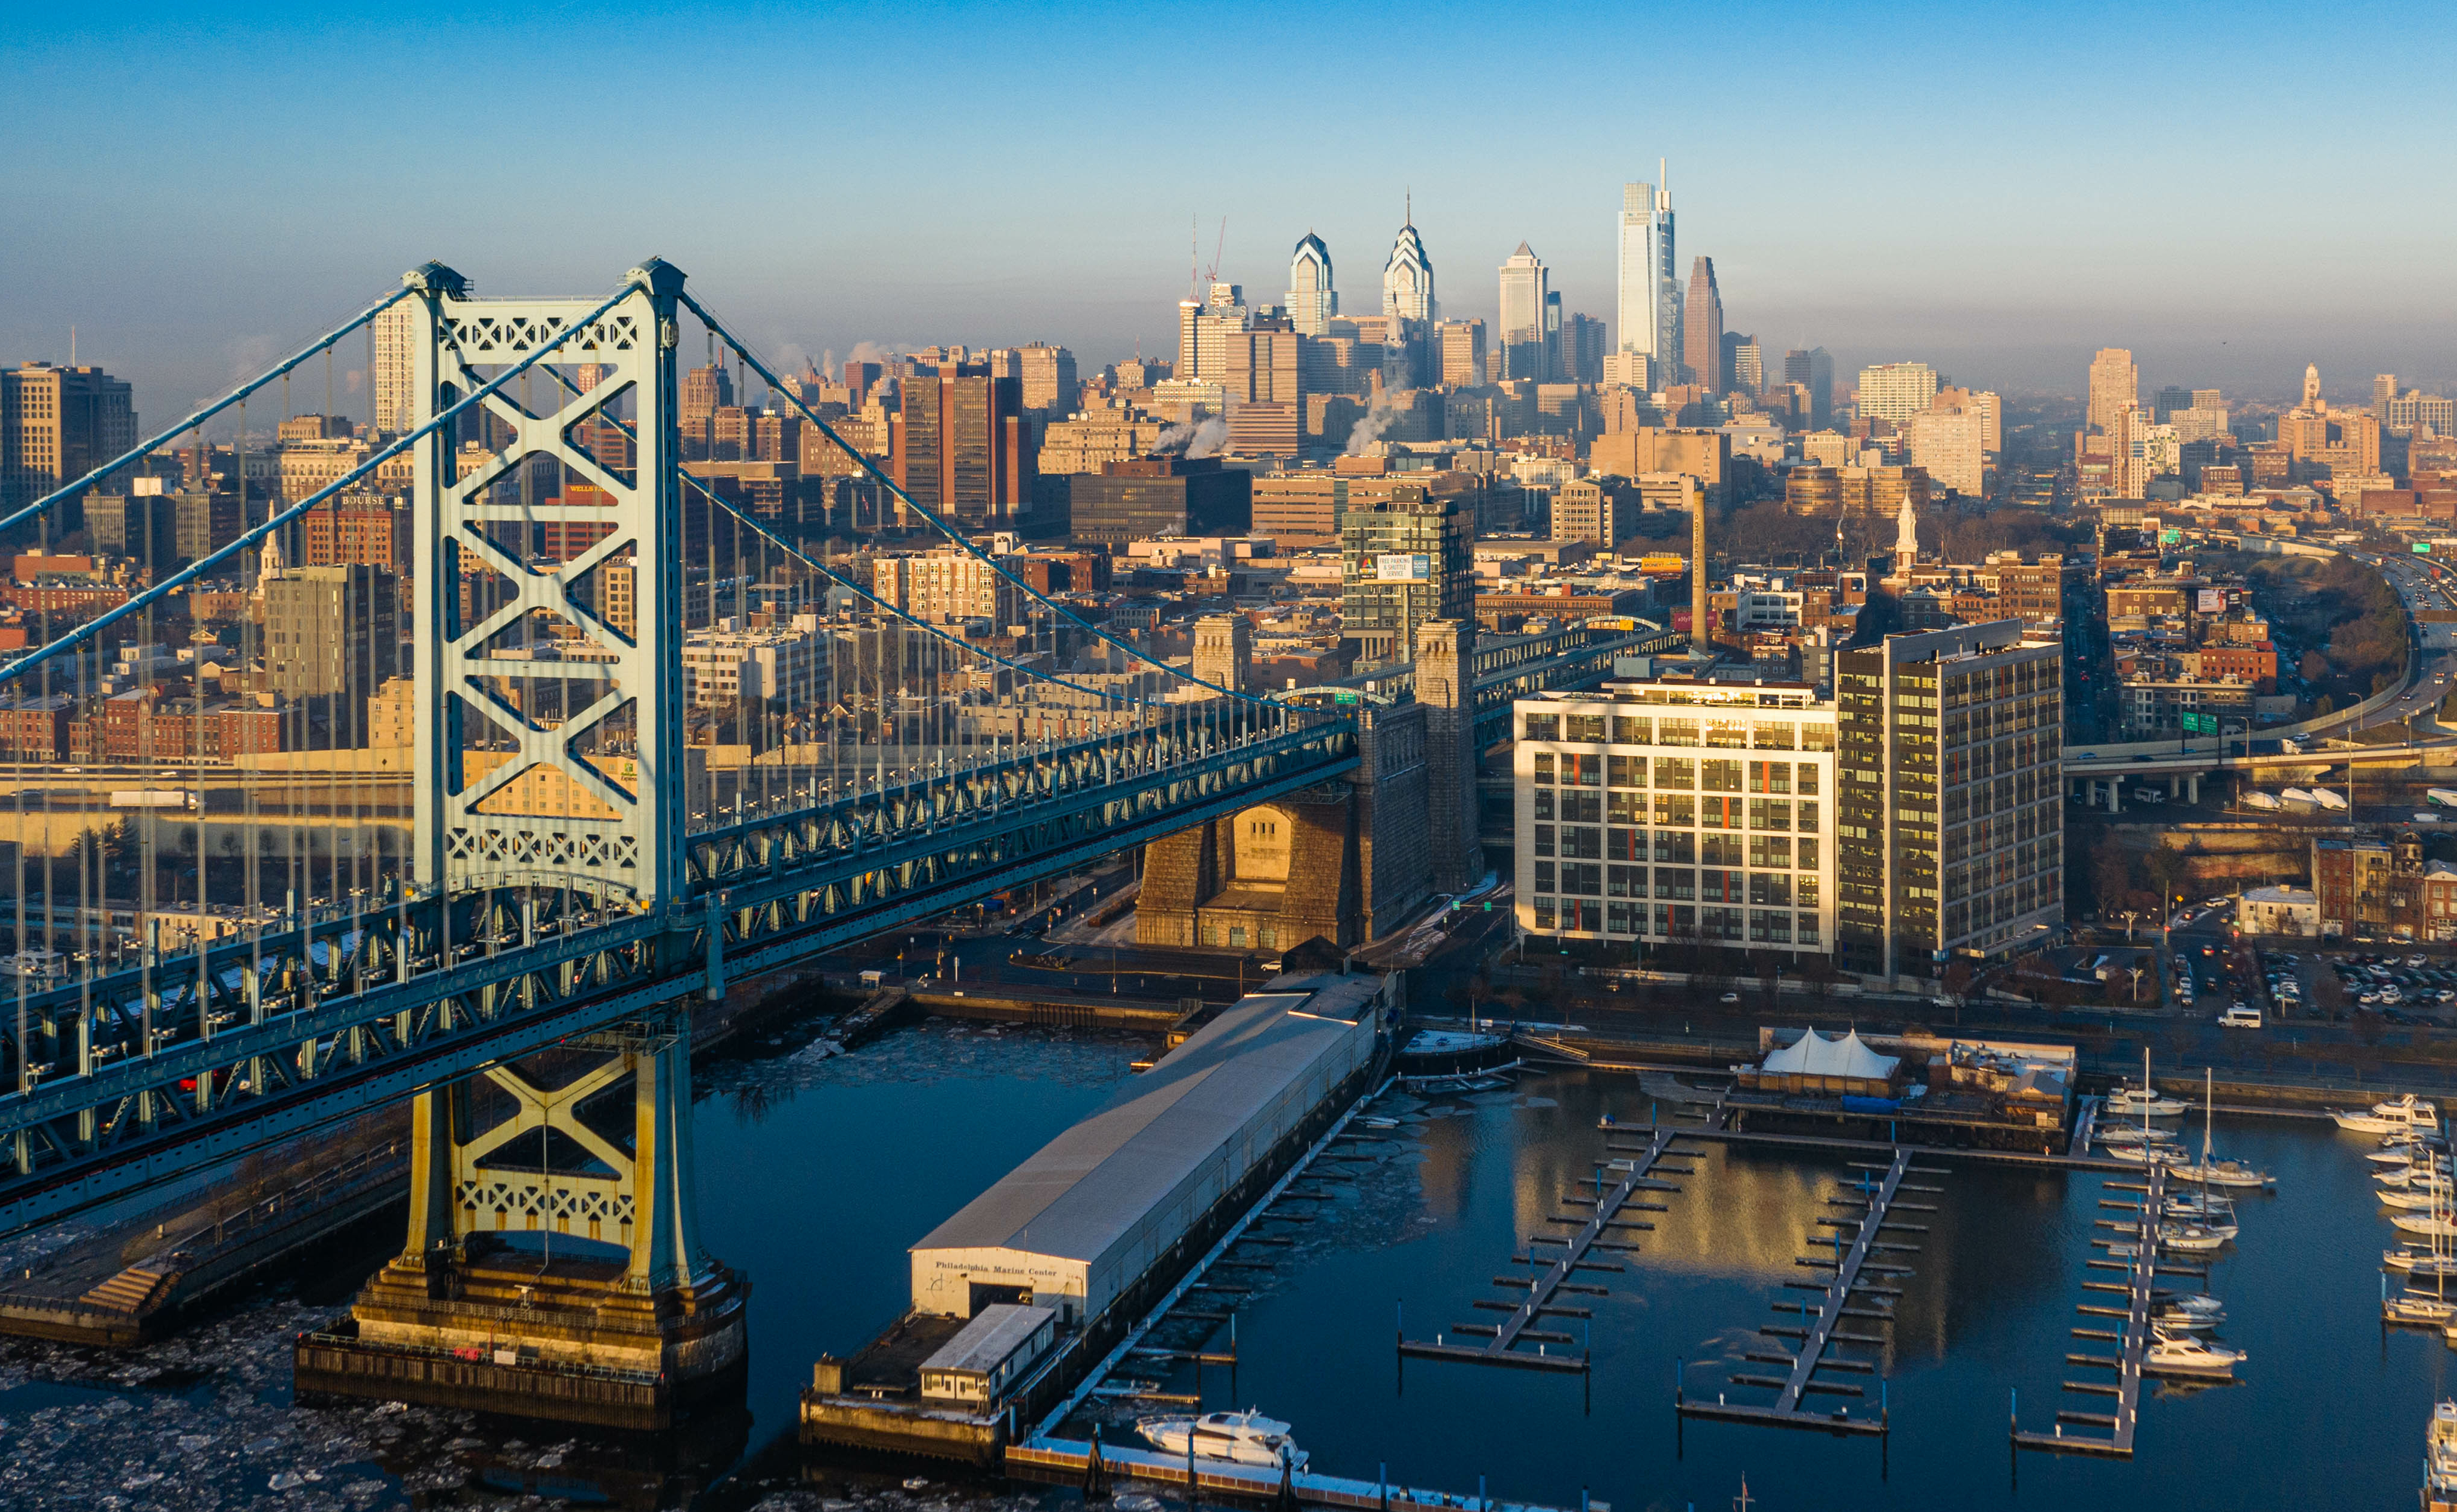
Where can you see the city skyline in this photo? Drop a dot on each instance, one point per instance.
(1993, 285)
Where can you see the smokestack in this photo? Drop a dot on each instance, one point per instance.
(1700, 642)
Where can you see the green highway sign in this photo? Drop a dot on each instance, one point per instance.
(2201, 724)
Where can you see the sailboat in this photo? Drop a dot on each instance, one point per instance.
(2414, 1307)
(2212, 1172)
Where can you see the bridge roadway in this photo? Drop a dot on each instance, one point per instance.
(156, 1071)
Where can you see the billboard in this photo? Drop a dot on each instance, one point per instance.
(1398, 566)
(2212, 601)
(2170, 537)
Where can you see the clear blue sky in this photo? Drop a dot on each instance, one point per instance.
(2230, 191)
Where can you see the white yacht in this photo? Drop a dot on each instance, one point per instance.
(2133, 1102)
(2224, 1173)
(2419, 1308)
(2182, 1354)
(2405, 1116)
(2134, 1134)
(1239, 1437)
(2430, 1225)
(2193, 1238)
(2146, 1155)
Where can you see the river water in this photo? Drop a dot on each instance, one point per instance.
(817, 1170)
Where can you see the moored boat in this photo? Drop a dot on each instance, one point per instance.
(2180, 1355)
(1238, 1438)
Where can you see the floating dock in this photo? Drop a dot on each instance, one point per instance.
(1071, 1462)
(2117, 1442)
(1825, 1317)
(1499, 1348)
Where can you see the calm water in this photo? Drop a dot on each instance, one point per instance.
(817, 1173)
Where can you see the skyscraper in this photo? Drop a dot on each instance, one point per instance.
(1311, 299)
(1647, 321)
(57, 424)
(962, 446)
(1813, 370)
(2311, 386)
(2114, 383)
(2383, 389)
(1523, 315)
(1407, 277)
(1744, 363)
(1703, 327)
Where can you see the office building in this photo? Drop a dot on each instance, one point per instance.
(1298, 511)
(1814, 370)
(1404, 560)
(963, 448)
(704, 391)
(1584, 509)
(1144, 497)
(1523, 307)
(1581, 349)
(1312, 301)
(1648, 313)
(1897, 391)
(1744, 363)
(1677, 813)
(728, 669)
(1408, 280)
(1951, 797)
(2114, 383)
(1048, 375)
(1462, 354)
(57, 424)
(1702, 328)
(332, 633)
(2169, 402)
(358, 529)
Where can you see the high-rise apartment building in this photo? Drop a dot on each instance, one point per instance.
(1404, 560)
(1582, 349)
(962, 447)
(1462, 354)
(1408, 279)
(1312, 301)
(1950, 443)
(1897, 391)
(1523, 306)
(1678, 813)
(392, 372)
(57, 424)
(1648, 314)
(2169, 400)
(1949, 791)
(2114, 383)
(1205, 329)
(947, 585)
(1987, 406)
(2383, 389)
(1702, 321)
(1814, 370)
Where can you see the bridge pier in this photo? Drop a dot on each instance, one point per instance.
(614, 1317)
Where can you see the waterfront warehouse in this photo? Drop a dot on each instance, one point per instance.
(1081, 1221)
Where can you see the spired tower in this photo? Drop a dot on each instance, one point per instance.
(1312, 301)
(2311, 386)
(1407, 277)
(1906, 537)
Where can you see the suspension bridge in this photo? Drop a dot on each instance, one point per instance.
(573, 881)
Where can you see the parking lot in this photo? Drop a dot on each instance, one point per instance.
(2405, 988)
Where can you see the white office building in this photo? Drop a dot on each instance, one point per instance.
(1676, 812)
(1312, 301)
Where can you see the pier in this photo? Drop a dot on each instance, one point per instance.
(1500, 1346)
(1825, 1319)
(2134, 1341)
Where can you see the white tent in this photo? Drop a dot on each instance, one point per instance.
(1814, 1054)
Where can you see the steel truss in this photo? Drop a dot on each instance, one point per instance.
(147, 1073)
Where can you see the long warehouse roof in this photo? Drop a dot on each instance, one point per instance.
(1080, 1192)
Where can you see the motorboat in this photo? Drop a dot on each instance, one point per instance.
(2199, 1302)
(1238, 1438)
(2181, 1322)
(2431, 1195)
(2187, 1312)
(2405, 1116)
(2200, 1206)
(2182, 1354)
(2133, 1102)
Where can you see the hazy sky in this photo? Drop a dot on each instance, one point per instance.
(2229, 191)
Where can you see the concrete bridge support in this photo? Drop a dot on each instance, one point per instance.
(552, 1268)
